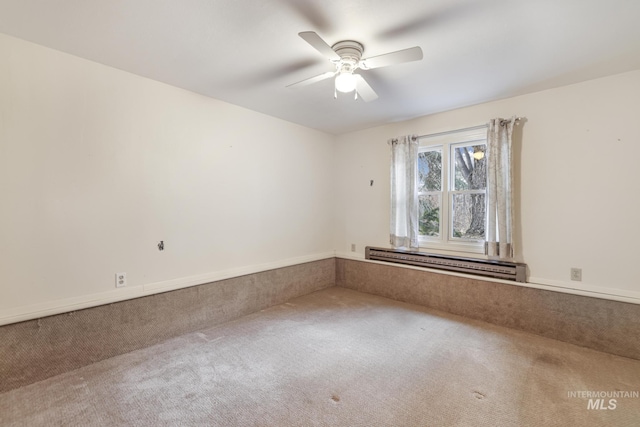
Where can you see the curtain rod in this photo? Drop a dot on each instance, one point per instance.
(465, 129)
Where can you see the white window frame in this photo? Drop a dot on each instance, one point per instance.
(446, 142)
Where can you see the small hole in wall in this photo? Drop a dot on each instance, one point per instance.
(161, 245)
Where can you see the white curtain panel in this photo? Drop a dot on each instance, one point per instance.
(500, 188)
(404, 195)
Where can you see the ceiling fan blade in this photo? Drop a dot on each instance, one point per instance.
(314, 79)
(448, 14)
(314, 14)
(364, 90)
(397, 57)
(320, 45)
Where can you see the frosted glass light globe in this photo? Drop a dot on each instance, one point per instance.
(345, 82)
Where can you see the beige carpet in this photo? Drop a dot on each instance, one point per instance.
(339, 358)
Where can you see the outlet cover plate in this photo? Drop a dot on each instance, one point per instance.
(576, 274)
(121, 280)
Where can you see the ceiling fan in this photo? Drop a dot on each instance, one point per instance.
(346, 56)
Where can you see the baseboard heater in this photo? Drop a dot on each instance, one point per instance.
(489, 268)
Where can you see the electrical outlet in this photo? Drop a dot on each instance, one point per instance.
(121, 280)
(576, 274)
(353, 247)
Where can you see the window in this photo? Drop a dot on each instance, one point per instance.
(452, 186)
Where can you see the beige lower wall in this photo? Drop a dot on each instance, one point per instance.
(604, 325)
(37, 349)
(34, 350)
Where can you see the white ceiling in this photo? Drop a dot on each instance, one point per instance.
(246, 51)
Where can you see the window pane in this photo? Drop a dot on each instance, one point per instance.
(469, 216)
(430, 171)
(469, 166)
(429, 215)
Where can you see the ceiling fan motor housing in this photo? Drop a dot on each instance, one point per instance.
(350, 53)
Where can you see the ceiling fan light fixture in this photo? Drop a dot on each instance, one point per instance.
(345, 82)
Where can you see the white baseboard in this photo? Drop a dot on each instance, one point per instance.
(583, 289)
(49, 308)
(355, 256)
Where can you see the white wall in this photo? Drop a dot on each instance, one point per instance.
(98, 165)
(578, 156)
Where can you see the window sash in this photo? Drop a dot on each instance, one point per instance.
(446, 146)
